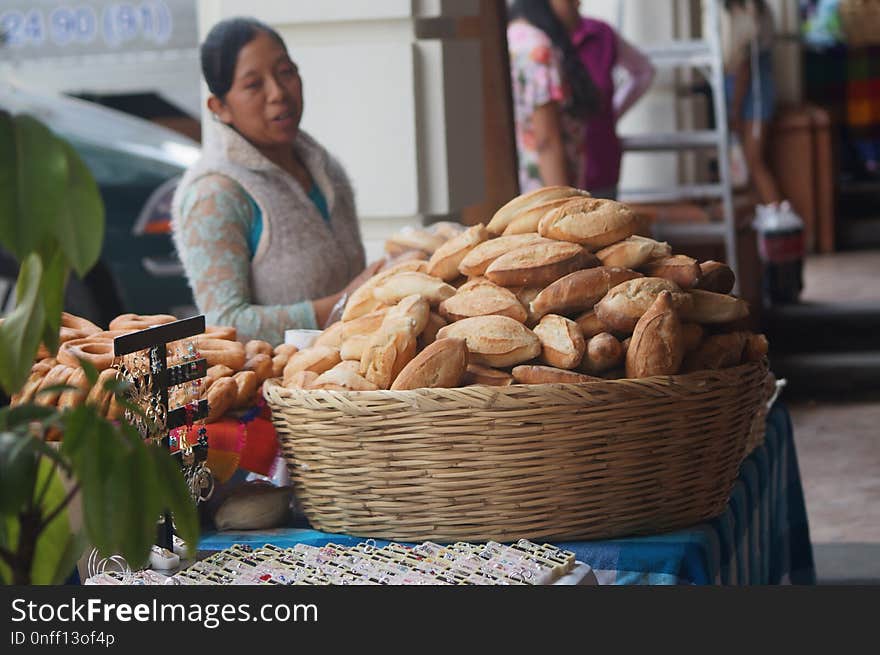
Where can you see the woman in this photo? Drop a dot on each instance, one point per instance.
(265, 221)
(552, 95)
(600, 49)
(747, 42)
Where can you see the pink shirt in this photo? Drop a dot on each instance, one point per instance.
(596, 45)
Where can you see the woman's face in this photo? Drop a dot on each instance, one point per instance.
(265, 101)
(568, 11)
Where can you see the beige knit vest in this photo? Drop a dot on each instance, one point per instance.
(299, 256)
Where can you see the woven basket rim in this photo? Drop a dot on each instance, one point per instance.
(514, 389)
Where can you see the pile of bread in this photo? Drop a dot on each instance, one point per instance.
(558, 287)
(234, 377)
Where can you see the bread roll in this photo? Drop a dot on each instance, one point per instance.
(343, 377)
(331, 336)
(429, 334)
(316, 359)
(539, 264)
(716, 352)
(483, 299)
(624, 305)
(716, 277)
(591, 222)
(257, 347)
(412, 310)
(285, 349)
(756, 348)
(279, 361)
(681, 269)
(397, 287)
(527, 222)
(505, 215)
(74, 397)
(29, 388)
(477, 260)
(562, 344)
(604, 352)
(714, 308)
(531, 374)
(633, 252)
(213, 374)
(301, 380)
(58, 375)
(413, 238)
(221, 398)
(526, 295)
(99, 396)
(496, 341)
(657, 346)
(579, 291)
(692, 334)
(440, 365)
(484, 375)
(445, 260)
(362, 300)
(366, 324)
(353, 347)
(261, 364)
(590, 324)
(247, 383)
(386, 353)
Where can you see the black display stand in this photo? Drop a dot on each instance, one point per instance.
(162, 378)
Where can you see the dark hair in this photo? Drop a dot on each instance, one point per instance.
(584, 95)
(220, 50)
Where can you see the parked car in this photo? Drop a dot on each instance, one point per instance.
(137, 165)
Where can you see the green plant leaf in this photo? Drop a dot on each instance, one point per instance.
(135, 486)
(9, 219)
(58, 548)
(94, 467)
(81, 232)
(18, 472)
(175, 496)
(21, 415)
(39, 184)
(9, 540)
(78, 424)
(52, 285)
(90, 371)
(20, 332)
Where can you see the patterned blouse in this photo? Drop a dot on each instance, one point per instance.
(536, 76)
(223, 227)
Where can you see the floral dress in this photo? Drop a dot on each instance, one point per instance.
(536, 77)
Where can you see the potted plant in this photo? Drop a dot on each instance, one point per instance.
(52, 221)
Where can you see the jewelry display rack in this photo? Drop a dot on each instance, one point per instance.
(158, 381)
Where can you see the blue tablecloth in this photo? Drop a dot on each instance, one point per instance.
(761, 538)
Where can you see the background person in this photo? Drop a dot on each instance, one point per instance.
(601, 49)
(747, 43)
(552, 95)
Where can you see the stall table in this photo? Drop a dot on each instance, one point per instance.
(762, 537)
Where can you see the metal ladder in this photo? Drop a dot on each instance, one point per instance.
(704, 55)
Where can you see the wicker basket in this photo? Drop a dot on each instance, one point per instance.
(860, 20)
(561, 461)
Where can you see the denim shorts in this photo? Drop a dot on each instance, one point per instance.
(750, 112)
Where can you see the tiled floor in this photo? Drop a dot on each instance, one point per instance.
(838, 442)
(842, 277)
